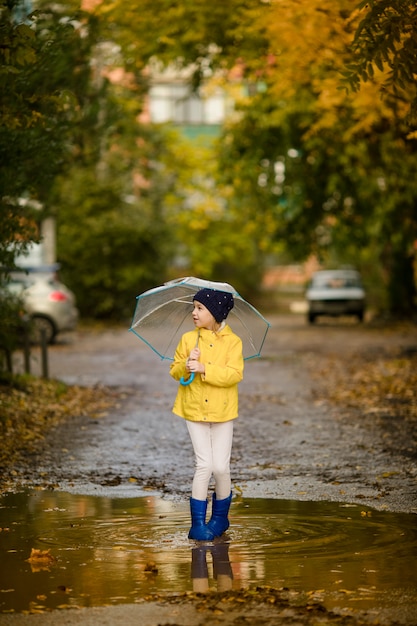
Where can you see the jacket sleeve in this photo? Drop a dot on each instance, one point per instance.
(232, 372)
(177, 367)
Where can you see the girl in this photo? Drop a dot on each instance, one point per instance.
(209, 404)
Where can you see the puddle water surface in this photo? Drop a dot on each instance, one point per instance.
(110, 551)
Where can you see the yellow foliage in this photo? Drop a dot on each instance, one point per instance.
(310, 46)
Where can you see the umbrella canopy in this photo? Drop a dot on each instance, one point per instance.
(163, 315)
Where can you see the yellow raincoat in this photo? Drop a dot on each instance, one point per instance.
(212, 397)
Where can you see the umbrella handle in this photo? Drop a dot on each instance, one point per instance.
(188, 381)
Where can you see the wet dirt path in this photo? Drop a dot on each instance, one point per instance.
(289, 441)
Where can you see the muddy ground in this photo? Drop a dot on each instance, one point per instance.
(291, 442)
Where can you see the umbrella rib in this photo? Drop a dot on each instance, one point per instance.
(147, 343)
(235, 313)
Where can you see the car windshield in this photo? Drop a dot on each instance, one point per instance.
(336, 282)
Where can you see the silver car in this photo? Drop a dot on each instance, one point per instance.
(335, 293)
(48, 303)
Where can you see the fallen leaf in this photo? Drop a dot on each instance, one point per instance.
(41, 560)
(388, 474)
(151, 568)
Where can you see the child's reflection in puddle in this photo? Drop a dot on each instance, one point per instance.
(222, 570)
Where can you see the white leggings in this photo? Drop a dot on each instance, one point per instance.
(212, 443)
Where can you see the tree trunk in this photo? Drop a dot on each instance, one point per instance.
(402, 291)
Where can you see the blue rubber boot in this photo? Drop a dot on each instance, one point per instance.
(199, 530)
(219, 522)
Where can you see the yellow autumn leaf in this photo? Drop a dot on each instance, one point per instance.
(41, 560)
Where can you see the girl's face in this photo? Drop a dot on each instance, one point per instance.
(202, 317)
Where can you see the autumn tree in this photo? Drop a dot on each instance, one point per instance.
(358, 145)
(44, 61)
(386, 37)
(36, 112)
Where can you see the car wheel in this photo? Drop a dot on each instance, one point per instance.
(311, 318)
(40, 325)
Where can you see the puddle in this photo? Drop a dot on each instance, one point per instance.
(111, 551)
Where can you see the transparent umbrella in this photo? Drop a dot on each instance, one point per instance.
(163, 315)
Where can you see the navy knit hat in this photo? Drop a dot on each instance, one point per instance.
(219, 303)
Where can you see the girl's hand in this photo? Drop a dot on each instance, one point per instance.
(195, 366)
(194, 354)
